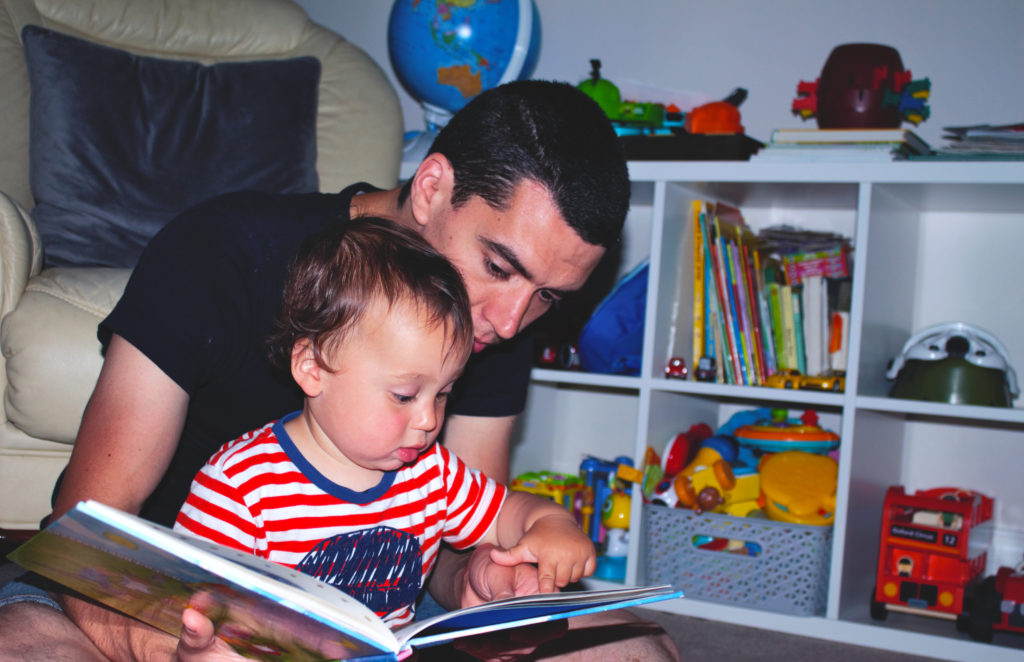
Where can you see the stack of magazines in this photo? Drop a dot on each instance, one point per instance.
(984, 142)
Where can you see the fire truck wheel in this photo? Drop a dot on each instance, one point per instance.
(984, 611)
(878, 609)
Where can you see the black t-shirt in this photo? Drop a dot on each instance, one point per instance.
(201, 302)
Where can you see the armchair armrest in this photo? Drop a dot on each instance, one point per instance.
(21, 253)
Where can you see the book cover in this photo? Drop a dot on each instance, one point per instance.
(711, 305)
(263, 610)
(839, 340)
(798, 331)
(699, 286)
(729, 350)
(778, 334)
(749, 260)
(814, 326)
(716, 344)
(764, 315)
(907, 137)
(800, 153)
(839, 292)
(740, 312)
(729, 227)
(788, 327)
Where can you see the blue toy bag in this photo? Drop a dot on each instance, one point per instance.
(612, 339)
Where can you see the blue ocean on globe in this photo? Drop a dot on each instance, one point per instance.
(445, 53)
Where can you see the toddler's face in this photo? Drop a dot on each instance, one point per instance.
(384, 403)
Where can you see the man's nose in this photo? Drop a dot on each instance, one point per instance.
(511, 314)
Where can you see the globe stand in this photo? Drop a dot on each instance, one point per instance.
(417, 143)
(435, 117)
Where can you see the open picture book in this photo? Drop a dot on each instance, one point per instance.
(262, 609)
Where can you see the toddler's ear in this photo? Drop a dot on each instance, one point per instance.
(305, 368)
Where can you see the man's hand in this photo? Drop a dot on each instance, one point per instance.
(487, 581)
(199, 642)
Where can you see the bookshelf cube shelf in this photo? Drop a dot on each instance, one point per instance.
(932, 242)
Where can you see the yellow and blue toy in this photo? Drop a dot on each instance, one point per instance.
(615, 518)
(799, 487)
(565, 489)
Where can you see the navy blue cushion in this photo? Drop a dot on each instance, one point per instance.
(121, 143)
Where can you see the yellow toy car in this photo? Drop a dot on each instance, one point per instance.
(793, 379)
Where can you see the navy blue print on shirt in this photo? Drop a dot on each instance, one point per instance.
(381, 567)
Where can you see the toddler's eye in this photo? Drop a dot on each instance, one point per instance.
(403, 399)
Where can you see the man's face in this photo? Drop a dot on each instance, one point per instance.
(515, 262)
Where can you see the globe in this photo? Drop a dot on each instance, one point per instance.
(445, 52)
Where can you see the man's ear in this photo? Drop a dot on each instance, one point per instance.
(432, 188)
(306, 371)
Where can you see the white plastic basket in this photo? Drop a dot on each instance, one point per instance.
(789, 573)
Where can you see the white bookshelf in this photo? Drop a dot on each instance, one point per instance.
(933, 242)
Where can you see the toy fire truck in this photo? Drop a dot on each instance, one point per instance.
(998, 604)
(934, 546)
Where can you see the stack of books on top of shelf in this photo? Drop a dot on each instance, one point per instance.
(983, 142)
(778, 300)
(801, 145)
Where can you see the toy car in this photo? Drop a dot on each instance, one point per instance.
(823, 383)
(676, 368)
(783, 379)
(788, 378)
(706, 369)
(998, 604)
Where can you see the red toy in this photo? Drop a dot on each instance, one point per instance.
(682, 447)
(998, 604)
(676, 368)
(934, 545)
(863, 86)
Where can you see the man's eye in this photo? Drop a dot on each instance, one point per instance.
(496, 271)
(442, 396)
(547, 296)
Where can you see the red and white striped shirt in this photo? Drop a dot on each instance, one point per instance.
(258, 494)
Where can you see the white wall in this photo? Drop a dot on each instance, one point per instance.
(972, 50)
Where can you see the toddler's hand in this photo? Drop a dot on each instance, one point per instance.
(562, 552)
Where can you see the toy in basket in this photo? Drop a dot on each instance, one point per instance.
(707, 530)
(784, 434)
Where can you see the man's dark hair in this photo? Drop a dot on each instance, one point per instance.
(338, 274)
(548, 132)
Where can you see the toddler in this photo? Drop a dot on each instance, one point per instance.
(375, 328)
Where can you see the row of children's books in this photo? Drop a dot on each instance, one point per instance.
(767, 302)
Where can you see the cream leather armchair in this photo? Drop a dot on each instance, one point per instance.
(51, 357)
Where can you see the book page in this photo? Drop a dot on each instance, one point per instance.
(262, 609)
(526, 610)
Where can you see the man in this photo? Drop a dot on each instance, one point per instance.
(522, 191)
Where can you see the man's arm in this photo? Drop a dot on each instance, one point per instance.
(482, 443)
(128, 435)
